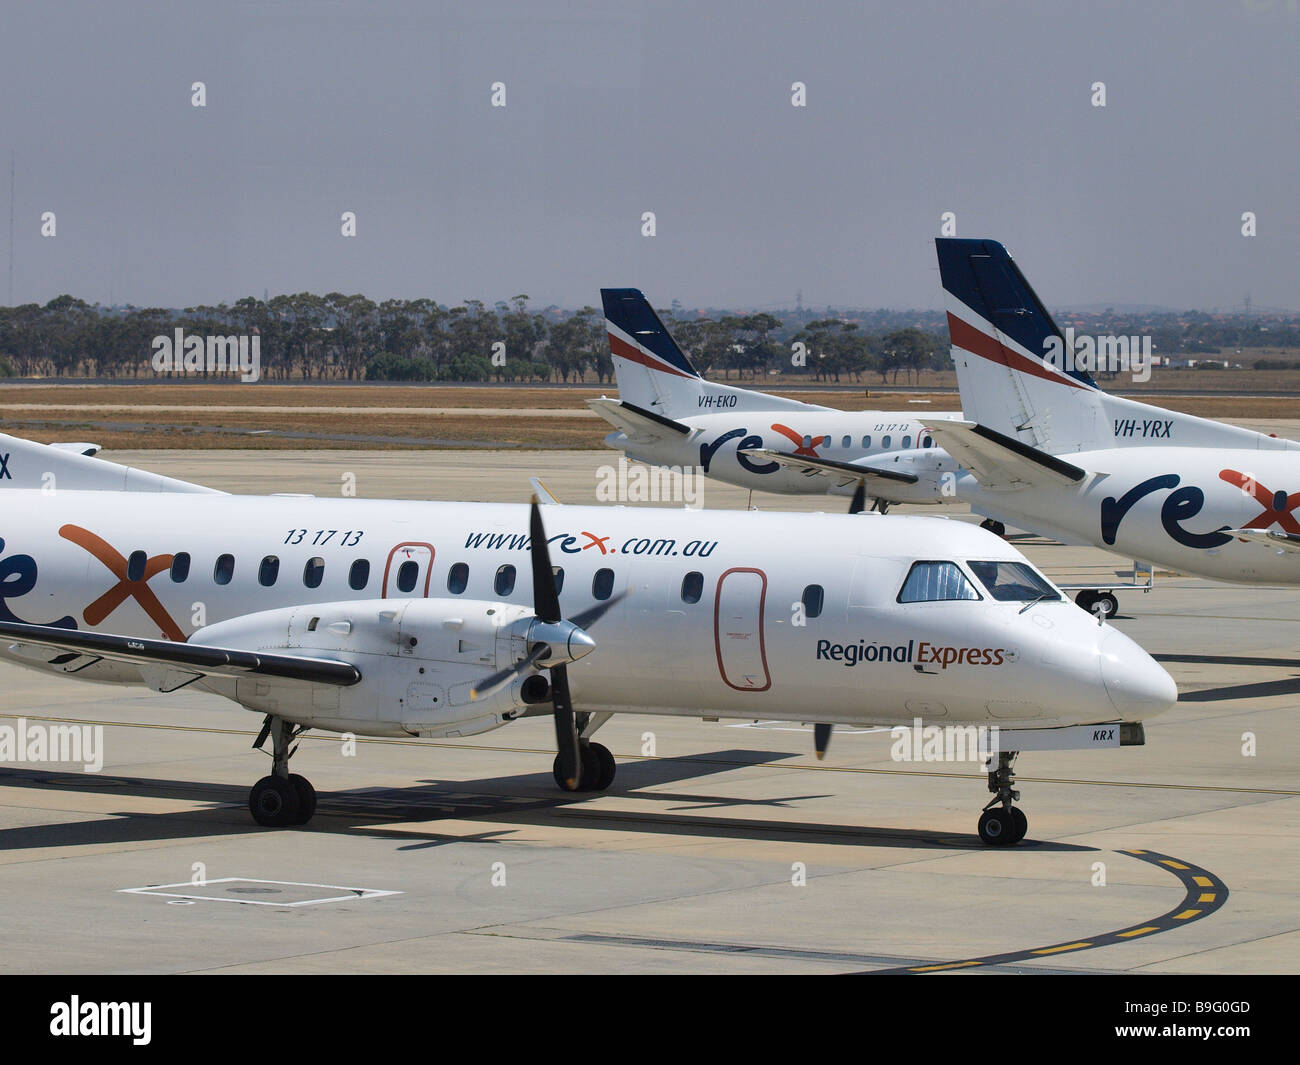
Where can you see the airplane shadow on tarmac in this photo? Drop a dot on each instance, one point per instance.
(516, 802)
(1255, 690)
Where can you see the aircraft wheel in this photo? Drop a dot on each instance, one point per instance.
(273, 802)
(559, 777)
(997, 827)
(606, 767)
(306, 798)
(1084, 600)
(1105, 605)
(995, 527)
(1019, 825)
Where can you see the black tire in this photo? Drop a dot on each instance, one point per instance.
(995, 527)
(590, 776)
(273, 802)
(1106, 601)
(1019, 825)
(306, 798)
(1084, 600)
(996, 827)
(559, 776)
(607, 766)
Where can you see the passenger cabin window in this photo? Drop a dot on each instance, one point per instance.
(884, 441)
(907, 442)
(458, 578)
(135, 566)
(866, 442)
(692, 587)
(224, 570)
(813, 598)
(407, 574)
(314, 572)
(268, 571)
(181, 567)
(359, 574)
(1013, 582)
(505, 580)
(602, 584)
(558, 573)
(932, 582)
(927, 441)
(807, 441)
(848, 442)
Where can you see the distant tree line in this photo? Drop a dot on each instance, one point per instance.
(336, 337)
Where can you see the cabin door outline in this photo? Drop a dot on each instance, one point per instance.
(409, 550)
(738, 641)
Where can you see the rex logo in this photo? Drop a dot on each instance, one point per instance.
(17, 578)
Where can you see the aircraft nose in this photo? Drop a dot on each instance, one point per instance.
(1137, 684)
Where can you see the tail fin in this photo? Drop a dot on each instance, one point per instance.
(1018, 375)
(646, 358)
(654, 373)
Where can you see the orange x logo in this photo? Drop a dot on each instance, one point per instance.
(1277, 505)
(800, 448)
(126, 588)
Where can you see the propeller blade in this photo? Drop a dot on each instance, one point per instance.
(586, 618)
(546, 600)
(821, 739)
(566, 729)
(494, 682)
(859, 503)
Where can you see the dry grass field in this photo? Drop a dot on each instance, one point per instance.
(187, 415)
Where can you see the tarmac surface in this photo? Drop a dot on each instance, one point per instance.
(724, 847)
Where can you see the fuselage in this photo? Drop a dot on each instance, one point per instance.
(728, 614)
(1173, 506)
(718, 444)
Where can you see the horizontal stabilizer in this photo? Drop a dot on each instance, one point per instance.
(998, 461)
(638, 423)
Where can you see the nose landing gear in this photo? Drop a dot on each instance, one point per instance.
(1001, 824)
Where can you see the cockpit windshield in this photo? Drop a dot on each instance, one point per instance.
(933, 582)
(1013, 582)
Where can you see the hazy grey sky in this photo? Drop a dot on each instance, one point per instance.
(683, 109)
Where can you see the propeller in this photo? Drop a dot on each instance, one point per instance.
(859, 503)
(821, 739)
(553, 643)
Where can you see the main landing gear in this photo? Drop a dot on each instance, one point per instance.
(1103, 604)
(283, 798)
(995, 527)
(598, 765)
(1001, 824)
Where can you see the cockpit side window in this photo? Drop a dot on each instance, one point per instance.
(932, 582)
(1012, 582)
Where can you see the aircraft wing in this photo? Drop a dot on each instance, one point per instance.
(1283, 541)
(841, 472)
(166, 665)
(638, 423)
(999, 461)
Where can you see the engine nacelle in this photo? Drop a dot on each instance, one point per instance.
(419, 660)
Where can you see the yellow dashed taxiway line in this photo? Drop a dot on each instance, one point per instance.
(1195, 905)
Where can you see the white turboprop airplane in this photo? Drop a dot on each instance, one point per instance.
(392, 618)
(1043, 448)
(666, 414)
